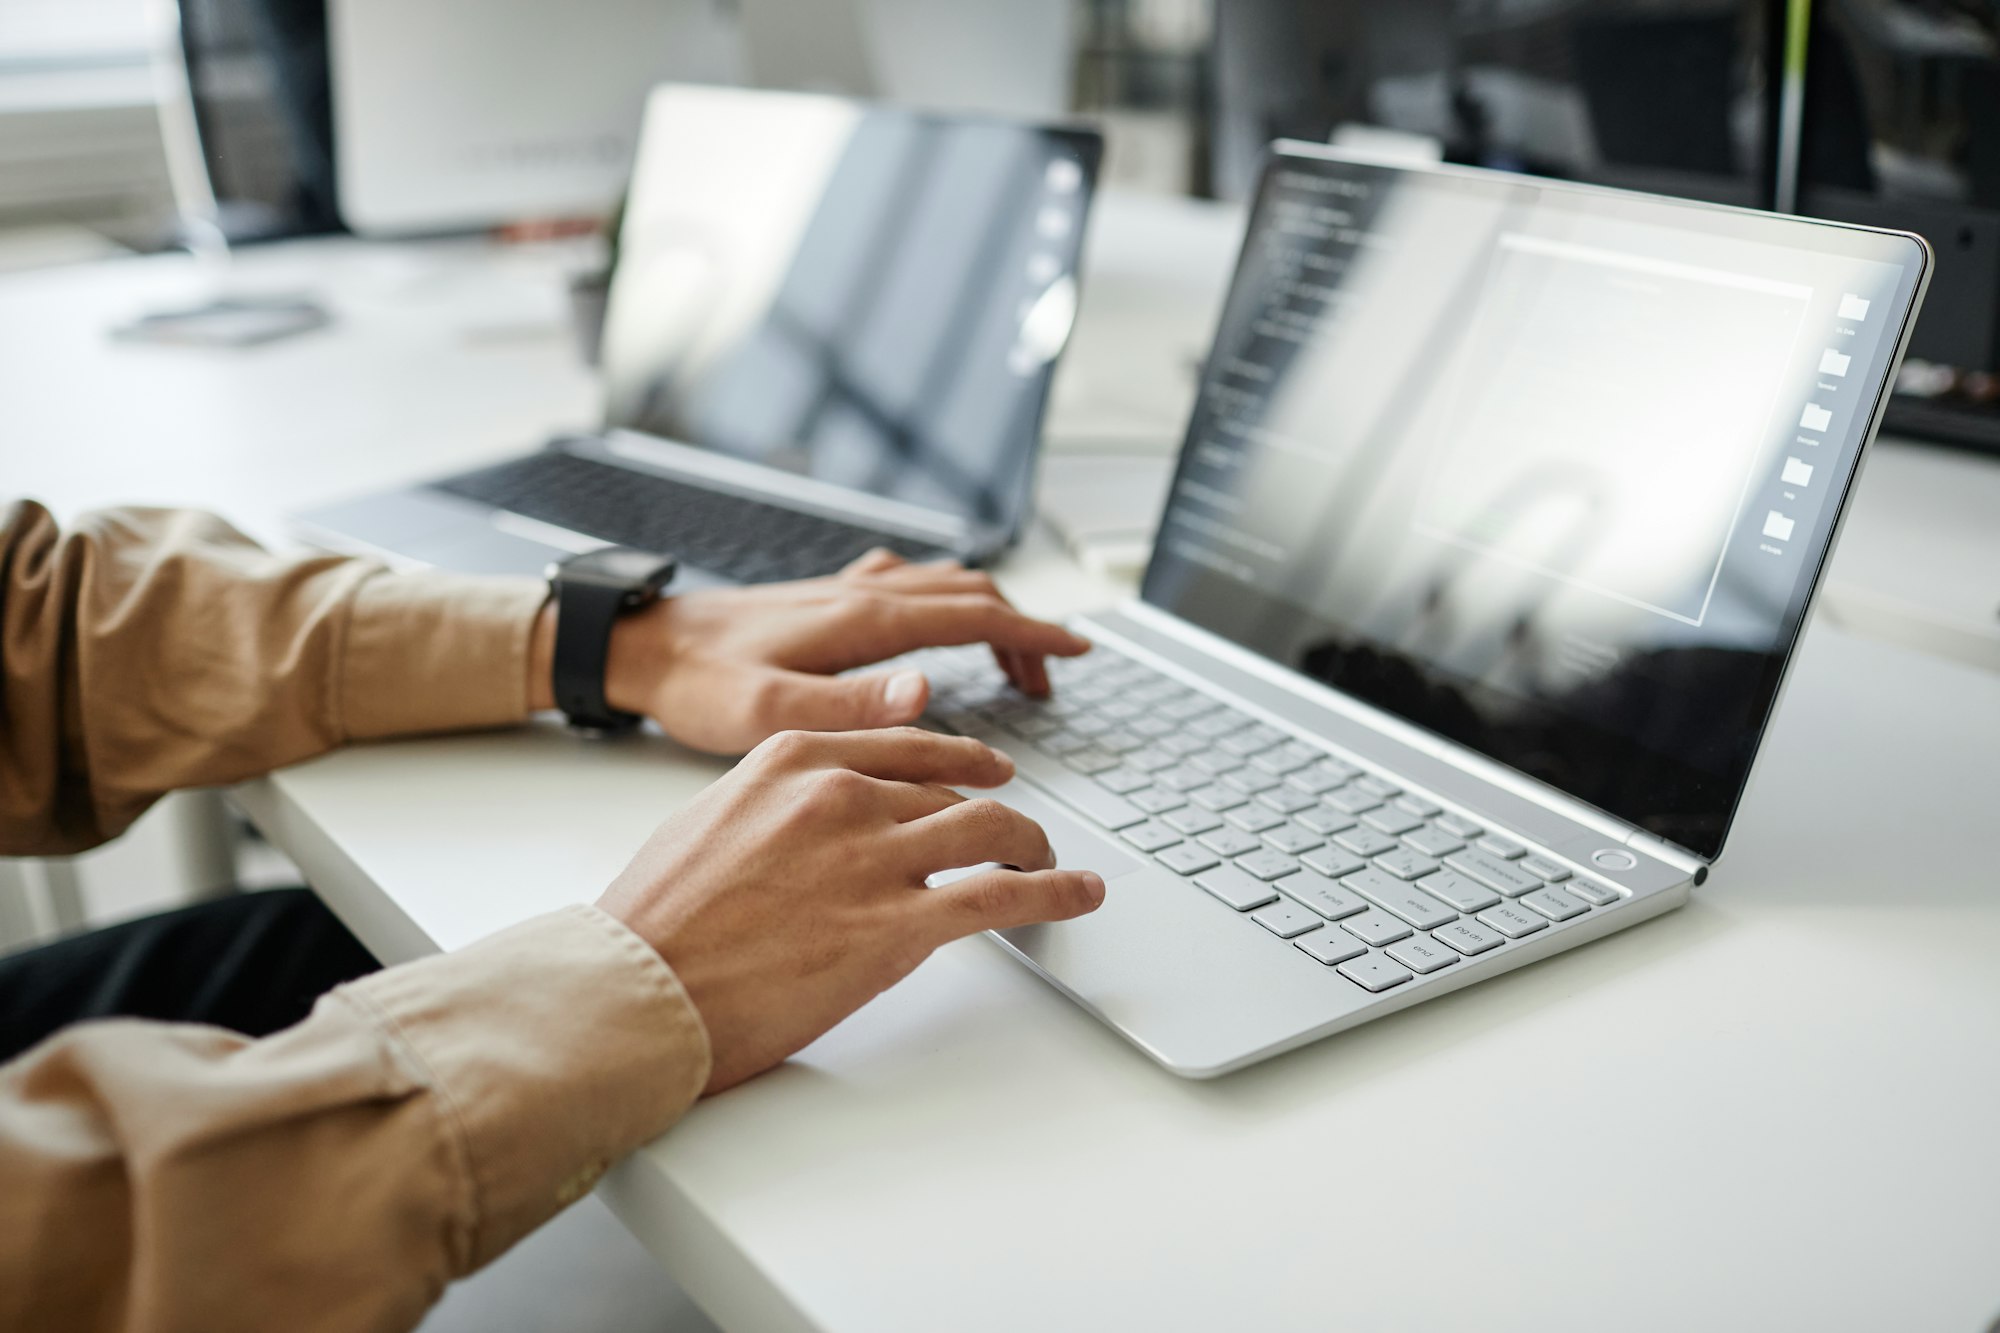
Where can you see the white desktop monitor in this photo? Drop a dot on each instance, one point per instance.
(455, 114)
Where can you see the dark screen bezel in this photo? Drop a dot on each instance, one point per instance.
(1688, 806)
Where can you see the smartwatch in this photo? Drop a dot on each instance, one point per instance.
(591, 591)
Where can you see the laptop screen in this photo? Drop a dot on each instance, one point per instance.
(870, 296)
(1550, 471)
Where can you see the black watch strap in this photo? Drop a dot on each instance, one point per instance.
(591, 592)
(585, 613)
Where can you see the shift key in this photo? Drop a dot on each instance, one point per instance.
(1403, 900)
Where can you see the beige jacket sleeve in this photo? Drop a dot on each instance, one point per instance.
(338, 1174)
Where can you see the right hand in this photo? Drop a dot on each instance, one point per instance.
(791, 892)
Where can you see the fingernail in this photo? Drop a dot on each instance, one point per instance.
(904, 691)
(1006, 760)
(1093, 884)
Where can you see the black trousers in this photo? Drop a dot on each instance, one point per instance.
(254, 963)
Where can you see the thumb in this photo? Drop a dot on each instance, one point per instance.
(797, 701)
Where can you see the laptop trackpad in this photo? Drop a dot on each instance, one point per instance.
(1077, 845)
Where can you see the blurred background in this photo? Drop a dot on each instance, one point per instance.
(150, 124)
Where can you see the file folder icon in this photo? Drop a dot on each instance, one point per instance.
(1832, 362)
(1798, 472)
(1853, 307)
(1815, 417)
(1777, 527)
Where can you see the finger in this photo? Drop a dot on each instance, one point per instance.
(908, 802)
(975, 618)
(899, 754)
(997, 899)
(873, 561)
(976, 831)
(799, 701)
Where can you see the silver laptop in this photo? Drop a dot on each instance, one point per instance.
(831, 326)
(1500, 512)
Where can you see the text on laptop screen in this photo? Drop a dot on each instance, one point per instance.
(868, 296)
(1548, 471)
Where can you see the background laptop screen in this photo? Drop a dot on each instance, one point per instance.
(869, 296)
(1549, 471)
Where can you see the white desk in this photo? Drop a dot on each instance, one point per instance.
(1773, 1108)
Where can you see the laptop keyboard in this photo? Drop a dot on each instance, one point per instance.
(741, 538)
(1377, 884)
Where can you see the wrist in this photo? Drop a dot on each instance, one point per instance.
(542, 660)
(631, 659)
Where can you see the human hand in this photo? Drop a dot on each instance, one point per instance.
(791, 892)
(721, 669)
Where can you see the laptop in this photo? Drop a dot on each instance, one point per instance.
(1499, 515)
(831, 326)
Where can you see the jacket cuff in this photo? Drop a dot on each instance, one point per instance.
(557, 1046)
(436, 652)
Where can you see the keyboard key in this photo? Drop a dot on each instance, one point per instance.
(1285, 919)
(1188, 859)
(1181, 777)
(1215, 763)
(1237, 889)
(1330, 946)
(1230, 842)
(1150, 836)
(1381, 787)
(1556, 905)
(1405, 900)
(1315, 780)
(1158, 800)
(1388, 819)
(1511, 921)
(1182, 743)
(1418, 806)
(1332, 862)
(1161, 692)
(1291, 839)
(1213, 725)
(1432, 841)
(1375, 927)
(1286, 800)
(1547, 869)
(1243, 744)
(1123, 780)
(1061, 743)
(1152, 728)
(1352, 800)
(1494, 873)
(1092, 725)
(1322, 895)
(1217, 797)
(1189, 821)
(1033, 726)
(1119, 740)
(1324, 822)
(1421, 953)
(1122, 710)
(1597, 895)
(1464, 894)
(1187, 709)
(1151, 759)
(1338, 770)
(1504, 848)
(1365, 841)
(1267, 864)
(1406, 864)
(1250, 781)
(1254, 818)
(1459, 826)
(1374, 972)
(1468, 937)
(1091, 761)
(1287, 758)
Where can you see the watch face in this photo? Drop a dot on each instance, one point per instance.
(619, 567)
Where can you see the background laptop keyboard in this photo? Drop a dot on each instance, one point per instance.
(1377, 884)
(744, 539)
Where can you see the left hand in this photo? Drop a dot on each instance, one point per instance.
(723, 669)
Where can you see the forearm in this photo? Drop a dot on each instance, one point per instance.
(150, 650)
(340, 1173)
